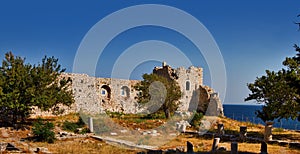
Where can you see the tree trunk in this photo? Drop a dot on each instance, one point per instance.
(14, 119)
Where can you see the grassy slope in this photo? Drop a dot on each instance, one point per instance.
(87, 145)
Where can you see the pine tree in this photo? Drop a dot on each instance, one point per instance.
(24, 86)
(279, 91)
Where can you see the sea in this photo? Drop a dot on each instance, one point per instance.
(247, 113)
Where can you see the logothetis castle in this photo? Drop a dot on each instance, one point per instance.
(96, 95)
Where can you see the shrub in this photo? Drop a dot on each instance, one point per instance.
(85, 130)
(196, 121)
(156, 115)
(69, 126)
(43, 131)
(72, 126)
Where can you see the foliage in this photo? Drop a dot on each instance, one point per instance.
(85, 130)
(114, 114)
(43, 131)
(196, 121)
(278, 130)
(170, 96)
(24, 86)
(72, 126)
(152, 116)
(279, 91)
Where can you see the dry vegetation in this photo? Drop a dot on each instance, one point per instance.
(201, 144)
(84, 146)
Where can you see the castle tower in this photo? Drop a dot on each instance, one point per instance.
(189, 81)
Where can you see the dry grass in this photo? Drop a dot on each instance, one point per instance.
(88, 145)
(205, 145)
(83, 146)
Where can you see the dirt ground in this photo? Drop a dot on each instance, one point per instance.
(201, 143)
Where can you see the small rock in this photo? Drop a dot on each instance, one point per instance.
(11, 147)
(124, 131)
(173, 134)
(180, 149)
(78, 130)
(154, 131)
(4, 134)
(3, 146)
(113, 134)
(154, 134)
(41, 150)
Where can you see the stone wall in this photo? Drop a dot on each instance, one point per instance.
(195, 96)
(96, 95)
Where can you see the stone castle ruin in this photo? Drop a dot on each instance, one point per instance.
(96, 95)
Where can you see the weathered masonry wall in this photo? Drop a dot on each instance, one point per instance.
(97, 95)
(189, 81)
(195, 96)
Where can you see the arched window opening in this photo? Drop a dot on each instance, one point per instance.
(106, 91)
(187, 85)
(125, 91)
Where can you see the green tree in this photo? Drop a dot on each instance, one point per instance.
(169, 97)
(279, 91)
(24, 86)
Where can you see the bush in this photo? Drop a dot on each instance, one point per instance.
(43, 131)
(196, 121)
(69, 126)
(156, 115)
(72, 126)
(85, 130)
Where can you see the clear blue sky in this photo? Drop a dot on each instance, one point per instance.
(252, 35)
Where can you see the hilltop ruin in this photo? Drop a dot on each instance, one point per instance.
(96, 95)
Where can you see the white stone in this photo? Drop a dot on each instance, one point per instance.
(123, 131)
(154, 131)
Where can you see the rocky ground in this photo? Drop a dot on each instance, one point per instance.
(17, 141)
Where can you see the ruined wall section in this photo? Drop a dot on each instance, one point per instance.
(86, 94)
(195, 96)
(189, 81)
(166, 71)
(215, 107)
(209, 102)
(96, 95)
(117, 95)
